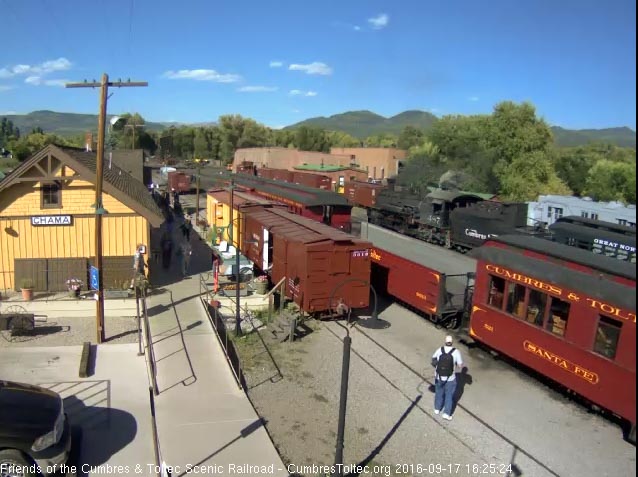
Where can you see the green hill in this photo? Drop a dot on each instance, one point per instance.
(623, 137)
(63, 124)
(359, 124)
(362, 124)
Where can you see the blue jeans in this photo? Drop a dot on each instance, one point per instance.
(444, 391)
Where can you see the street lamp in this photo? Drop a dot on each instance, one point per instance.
(345, 369)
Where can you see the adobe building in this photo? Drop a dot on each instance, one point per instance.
(379, 162)
(47, 221)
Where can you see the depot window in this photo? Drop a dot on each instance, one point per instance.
(51, 196)
(607, 336)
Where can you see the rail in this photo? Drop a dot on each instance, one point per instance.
(148, 340)
(232, 357)
(161, 469)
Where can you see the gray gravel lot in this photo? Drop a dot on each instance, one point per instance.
(61, 331)
(390, 420)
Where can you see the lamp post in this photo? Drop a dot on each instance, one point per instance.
(345, 372)
(238, 331)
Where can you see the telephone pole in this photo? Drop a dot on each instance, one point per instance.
(99, 168)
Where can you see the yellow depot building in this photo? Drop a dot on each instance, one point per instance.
(47, 221)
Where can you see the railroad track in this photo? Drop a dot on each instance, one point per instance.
(518, 457)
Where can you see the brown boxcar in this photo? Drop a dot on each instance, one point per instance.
(564, 312)
(179, 181)
(316, 260)
(317, 181)
(362, 194)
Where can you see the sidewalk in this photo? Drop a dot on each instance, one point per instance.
(203, 417)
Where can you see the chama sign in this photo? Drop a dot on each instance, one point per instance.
(38, 220)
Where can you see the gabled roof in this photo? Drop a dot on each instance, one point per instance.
(117, 182)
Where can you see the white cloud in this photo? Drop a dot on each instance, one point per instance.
(5, 87)
(316, 68)
(38, 80)
(48, 66)
(298, 92)
(276, 64)
(202, 75)
(7, 113)
(379, 22)
(257, 89)
(356, 28)
(473, 98)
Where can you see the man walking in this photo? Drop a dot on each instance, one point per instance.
(446, 360)
(185, 251)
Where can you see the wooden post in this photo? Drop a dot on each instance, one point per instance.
(99, 172)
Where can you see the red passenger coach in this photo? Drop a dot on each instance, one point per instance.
(316, 261)
(322, 206)
(564, 312)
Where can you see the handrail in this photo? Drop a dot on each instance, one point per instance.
(160, 468)
(149, 344)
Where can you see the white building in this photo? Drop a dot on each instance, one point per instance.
(550, 208)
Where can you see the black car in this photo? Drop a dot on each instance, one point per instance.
(34, 430)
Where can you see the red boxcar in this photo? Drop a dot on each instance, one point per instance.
(564, 312)
(179, 181)
(362, 194)
(309, 179)
(317, 261)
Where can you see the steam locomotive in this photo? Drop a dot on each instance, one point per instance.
(452, 218)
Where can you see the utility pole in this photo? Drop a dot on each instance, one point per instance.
(99, 168)
(199, 170)
(133, 126)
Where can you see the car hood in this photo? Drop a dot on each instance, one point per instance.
(27, 410)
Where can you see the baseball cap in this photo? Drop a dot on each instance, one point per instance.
(448, 339)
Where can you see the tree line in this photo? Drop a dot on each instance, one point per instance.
(510, 152)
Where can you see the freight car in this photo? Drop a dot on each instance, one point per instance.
(410, 271)
(323, 206)
(604, 238)
(318, 262)
(179, 182)
(308, 179)
(566, 313)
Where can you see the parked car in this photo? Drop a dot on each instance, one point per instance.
(34, 430)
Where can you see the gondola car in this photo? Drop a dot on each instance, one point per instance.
(563, 312)
(605, 238)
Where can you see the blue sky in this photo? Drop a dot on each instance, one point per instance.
(280, 62)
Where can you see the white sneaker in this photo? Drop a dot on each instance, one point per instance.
(436, 411)
(447, 417)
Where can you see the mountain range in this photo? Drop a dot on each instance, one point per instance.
(359, 124)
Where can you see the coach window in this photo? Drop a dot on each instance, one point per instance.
(51, 196)
(607, 336)
(516, 300)
(497, 290)
(558, 316)
(536, 307)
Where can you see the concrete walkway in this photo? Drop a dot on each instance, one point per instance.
(204, 418)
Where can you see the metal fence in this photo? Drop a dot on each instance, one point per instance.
(216, 319)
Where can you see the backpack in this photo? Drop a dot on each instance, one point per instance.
(445, 364)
